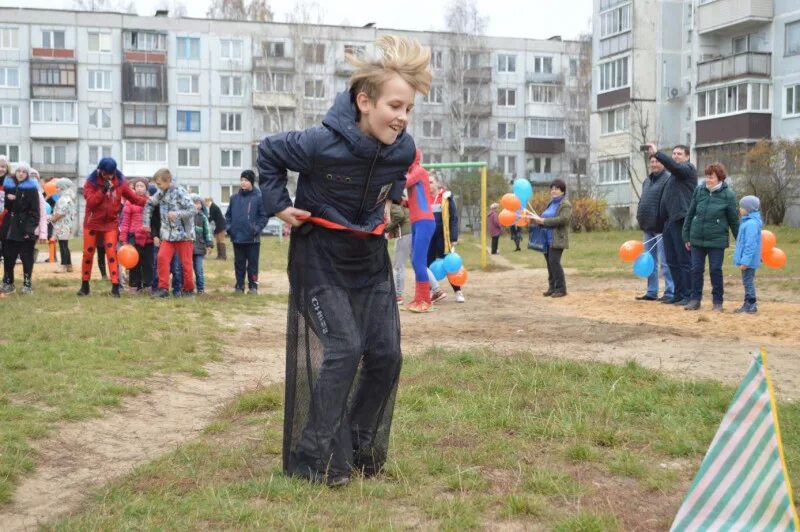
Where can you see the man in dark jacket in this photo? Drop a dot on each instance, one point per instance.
(651, 223)
(216, 217)
(245, 219)
(675, 201)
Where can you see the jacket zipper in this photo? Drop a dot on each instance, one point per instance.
(366, 185)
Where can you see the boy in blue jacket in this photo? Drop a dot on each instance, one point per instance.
(245, 218)
(343, 340)
(747, 255)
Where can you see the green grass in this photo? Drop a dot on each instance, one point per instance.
(478, 438)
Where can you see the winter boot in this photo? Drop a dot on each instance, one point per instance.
(84, 291)
(26, 285)
(115, 290)
(422, 298)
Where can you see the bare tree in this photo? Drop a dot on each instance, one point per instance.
(641, 132)
(577, 110)
(255, 10)
(772, 175)
(120, 6)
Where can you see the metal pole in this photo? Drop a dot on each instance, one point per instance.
(484, 258)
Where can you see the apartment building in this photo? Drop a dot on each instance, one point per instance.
(717, 75)
(198, 95)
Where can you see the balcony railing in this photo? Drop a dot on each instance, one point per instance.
(733, 16)
(734, 66)
(56, 169)
(542, 77)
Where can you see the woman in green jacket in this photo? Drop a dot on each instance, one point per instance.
(555, 219)
(712, 213)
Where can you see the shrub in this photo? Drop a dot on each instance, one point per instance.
(588, 214)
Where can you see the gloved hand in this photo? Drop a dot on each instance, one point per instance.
(106, 186)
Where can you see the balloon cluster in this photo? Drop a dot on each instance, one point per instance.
(771, 256)
(633, 251)
(513, 211)
(452, 267)
(128, 256)
(50, 188)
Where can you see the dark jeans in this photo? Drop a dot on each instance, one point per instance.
(495, 241)
(555, 273)
(715, 258)
(678, 259)
(199, 273)
(141, 276)
(66, 256)
(25, 250)
(245, 258)
(749, 282)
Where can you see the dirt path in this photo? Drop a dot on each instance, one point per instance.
(504, 312)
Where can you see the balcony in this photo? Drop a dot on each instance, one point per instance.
(141, 121)
(52, 130)
(472, 109)
(274, 100)
(733, 16)
(544, 145)
(747, 64)
(144, 82)
(53, 80)
(472, 75)
(474, 144)
(344, 69)
(543, 77)
(739, 127)
(274, 63)
(52, 53)
(56, 169)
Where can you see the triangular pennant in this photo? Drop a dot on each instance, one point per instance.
(743, 483)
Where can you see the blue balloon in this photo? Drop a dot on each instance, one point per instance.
(522, 189)
(437, 268)
(643, 266)
(452, 262)
(48, 209)
(55, 197)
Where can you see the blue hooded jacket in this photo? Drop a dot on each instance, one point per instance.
(245, 217)
(748, 241)
(345, 175)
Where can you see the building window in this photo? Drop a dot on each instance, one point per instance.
(9, 77)
(507, 164)
(740, 44)
(145, 78)
(188, 47)
(275, 49)
(431, 129)
(612, 171)
(733, 99)
(541, 165)
(578, 166)
(507, 131)
(231, 122)
(435, 95)
(231, 85)
(53, 112)
(577, 134)
(54, 154)
(226, 191)
(614, 121)
(357, 50)
(573, 67)
(472, 129)
(98, 152)
(99, 80)
(437, 60)
(53, 39)
(615, 21)
(469, 94)
(543, 65)
(100, 117)
(99, 42)
(145, 115)
(146, 152)
(314, 53)
(507, 97)
(10, 152)
(53, 74)
(543, 94)
(188, 84)
(470, 60)
(231, 49)
(315, 88)
(793, 38)
(759, 97)
(506, 63)
(274, 82)
(545, 128)
(189, 157)
(231, 158)
(145, 41)
(793, 100)
(189, 121)
(9, 115)
(614, 74)
(9, 40)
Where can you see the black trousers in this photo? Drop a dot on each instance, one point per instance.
(66, 256)
(245, 260)
(495, 242)
(26, 251)
(678, 258)
(556, 282)
(141, 276)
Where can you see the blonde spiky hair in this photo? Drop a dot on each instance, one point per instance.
(399, 56)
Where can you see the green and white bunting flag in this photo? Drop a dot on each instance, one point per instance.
(743, 483)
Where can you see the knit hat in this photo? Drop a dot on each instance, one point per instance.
(750, 203)
(34, 174)
(250, 176)
(195, 198)
(107, 165)
(63, 183)
(24, 167)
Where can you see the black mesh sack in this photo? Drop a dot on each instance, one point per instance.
(343, 355)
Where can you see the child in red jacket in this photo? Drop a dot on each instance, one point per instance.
(133, 232)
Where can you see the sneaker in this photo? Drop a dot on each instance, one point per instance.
(548, 293)
(558, 294)
(753, 309)
(646, 297)
(238, 290)
(669, 300)
(84, 290)
(742, 309)
(665, 298)
(160, 293)
(200, 291)
(26, 289)
(717, 307)
(419, 306)
(399, 300)
(694, 304)
(682, 302)
(460, 297)
(8, 288)
(115, 290)
(253, 291)
(438, 295)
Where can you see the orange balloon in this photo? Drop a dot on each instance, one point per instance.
(775, 259)
(630, 250)
(128, 256)
(768, 241)
(511, 202)
(459, 278)
(523, 221)
(50, 187)
(507, 218)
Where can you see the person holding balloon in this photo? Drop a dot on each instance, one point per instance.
(747, 254)
(555, 219)
(445, 236)
(712, 214)
(133, 232)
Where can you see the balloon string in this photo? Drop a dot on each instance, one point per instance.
(655, 244)
(657, 237)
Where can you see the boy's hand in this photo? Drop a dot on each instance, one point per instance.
(292, 216)
(172, 215)
(742, 267)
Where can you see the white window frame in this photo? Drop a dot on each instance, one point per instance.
(617, 166)
(187, 48)
(553, 127)
(506, 62)
(50, 105)
(230, 189)
(148, 148)
(228, 85)
(193, 80)
(188, 153)
(231, 49)
(724, 91)
(508, 94)
(612, 70)
(51, 33)
(6, 69)
(507, 164)
(98, 121)
(548, 94)
(9, 38)
(51, 152)
(543, 64)
(616, 20)
(6, 149)
(430, 128)
(794, 112)
(507, 131)
(544, 164)
(794, 25)
(148, 76)
(437, 60)
(621, 121)
(9, 115)
(101, 150)
(229, 121)
(231, 154)
(317, 89)
(435, 96)
(104, 44)
(103, 76)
